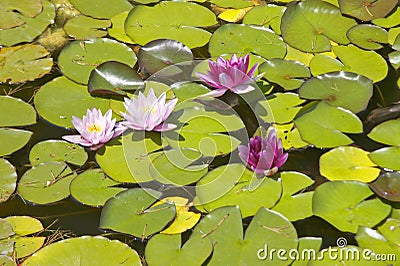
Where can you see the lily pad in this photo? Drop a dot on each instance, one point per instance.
(323, 125)
(288, 74)
(232, 3)
(233, 184)
(367, 9)
(343, 204)
(85, 250)
(342, 89)
(46, 183)
(386, 132)
(113, 78)
(6, 229)
(33, 26)
(8, 180)
(7, 261)
(188, 90)
(394, 59)
(58, 100)
(23, 114)
(387, 186)
(321, 64)
(13, 140)
(367, 36)
(297, 55)
(240, 38)
(12, 14)
(310, 25)
(390, 21)
(159, 54)
(290, 136)
(79, 58)
(94, 188)
(83, 27)
(24, 62)
(265, 15)
(57, 151)
(386, 157)
(306, 245)
(102, 8)
(348, 163)
(145, 24)
(117, 31)
(129, 212)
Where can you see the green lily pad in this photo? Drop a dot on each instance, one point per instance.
(342, 89)
(24, 62)
(288, 74)
(24, 225)
(23, 114)
(177, 167)
(130, 212)
(33, 26)
(8, 180)
(267, 230)
(394, 59)
(390, 21)
(159, 54)
(233, 184)
(391, 230)
(7, 261)
(310, 25)
(12, 14)
(306, 247)
(367, 36)
(343, 204)
(58, 100)
(13, 140)
(386, 157)
(94, 188)
(297, 55)
(167, 250)
(188, 90)
(290, 136)
(266, 16)
(117, 31)
(145, 24)
(279, 108)
(386, 132)
(288, 205)
(102, 8)
(57, 151)
(348, 163)
(79, 58)
(232, 3)
(323, 125)
(6, 229)
(113, 78)
(366, 63)
(387, 186)
(321, 64)
(85, 250)
(83, 27)
(240, 38)
(367, 9)
(393, 34)
(46, 183)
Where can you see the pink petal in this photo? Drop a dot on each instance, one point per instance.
(243, 152)
(241, 89)
(226, 80)
(77, 139)
(165, 127)
(214, 93)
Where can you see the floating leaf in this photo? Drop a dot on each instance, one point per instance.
(7, 261)
(391, 230)
(12, 14)
(232, 184)
(24, 62)
(188, 90)
(290, 136)
(85, 250)
(386, 132)
(265, 15)
(348, 163)
(145, 24)
(342, 89)
(297, 55)
(6, 229)
(102, 8)
(367, 9)
(24, 225)
(394, 59)
(386, 157)
(83, 27)
(79, 58)
(58, 100)
(113, 78)
(367, 36)
(117, 31)
(46, 183)
(233, 15)
(310, 25)
(321, 64)
(342, 204)
(8, 179)
(387, 186)
(12, 140)
(23, 114)
(129, 212)
(232, 3)
(390, 21)
(306, 245)
(240, 38)
(323, 125)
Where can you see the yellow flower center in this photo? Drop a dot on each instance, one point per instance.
(93, 128)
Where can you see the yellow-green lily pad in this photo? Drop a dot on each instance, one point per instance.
(368, 36)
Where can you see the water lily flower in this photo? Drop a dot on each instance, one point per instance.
(148, 113)
(230, 75)
(264, 155)
(94, 129)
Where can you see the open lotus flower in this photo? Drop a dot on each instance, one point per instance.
(264, 155)
(230, 75)
(94, 129)
(148, 113)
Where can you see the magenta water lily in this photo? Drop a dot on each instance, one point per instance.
(94, 129)
(148, 113)
(230, 75)
(264, 155)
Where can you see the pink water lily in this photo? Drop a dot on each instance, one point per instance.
(232, 75)
(264, 155)
(94, 129)
(148, 113)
